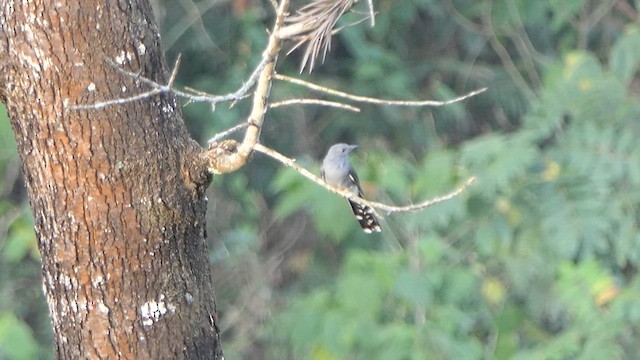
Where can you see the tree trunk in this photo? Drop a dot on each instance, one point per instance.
(118, 192)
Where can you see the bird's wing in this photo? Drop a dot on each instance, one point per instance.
(354, 178)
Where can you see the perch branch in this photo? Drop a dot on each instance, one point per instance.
(388, 208)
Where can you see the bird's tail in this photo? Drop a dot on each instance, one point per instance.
(366, 217)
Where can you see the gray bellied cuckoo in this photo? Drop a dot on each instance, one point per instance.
(338, 172)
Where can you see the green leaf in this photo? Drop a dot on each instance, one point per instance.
(508, 323)
(16, 339)
(624, 55)
(413, 287)
(435, 175)
(391, 174)
(21, 239)
(303, 321)
(333, 216)
(295, 193)
(359, 294)
(459, 283)
(394, 342)
(499, 159)
(564, 11)
(18, 245)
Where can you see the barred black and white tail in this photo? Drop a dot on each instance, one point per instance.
(366, 217)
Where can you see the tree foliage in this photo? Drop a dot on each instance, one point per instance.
(538, 260)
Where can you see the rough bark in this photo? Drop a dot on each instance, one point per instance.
(117, 193)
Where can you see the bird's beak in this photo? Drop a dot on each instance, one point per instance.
(352, 147)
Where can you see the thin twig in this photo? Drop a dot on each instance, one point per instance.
(100, 105)
(388, 208)
(314, 102)
(427, 203)
(137, 97)
(174, 71)
(168, 88)
(219, 136)
(371, 100)
(207, 98)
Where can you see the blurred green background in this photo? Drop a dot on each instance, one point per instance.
(538, 260)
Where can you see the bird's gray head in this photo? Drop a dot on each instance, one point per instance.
(340, 150)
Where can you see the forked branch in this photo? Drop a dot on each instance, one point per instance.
(225, 156)
(157, 88)
(230, 155)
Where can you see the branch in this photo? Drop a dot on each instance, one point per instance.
(263, 87)
(157, 88)
(425, 204)
(219, 136)
(100, 105)
(345, 194)
(140, 96)
(371, 100)
(229, 155)
(314, 102)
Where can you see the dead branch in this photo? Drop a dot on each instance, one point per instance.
(371, 100)
(235, 155)
(221, 135)
(191, 96)
(313, 102)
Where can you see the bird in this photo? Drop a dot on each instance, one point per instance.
(338, 172)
